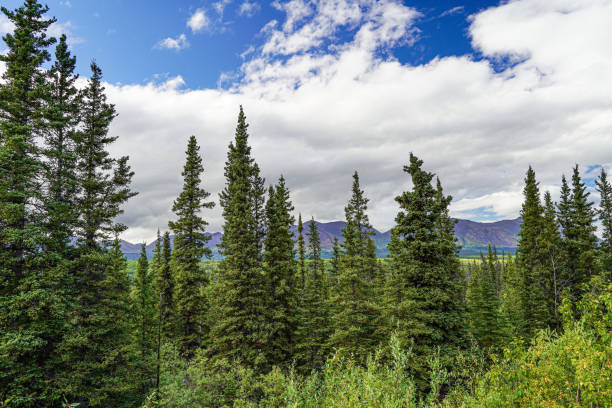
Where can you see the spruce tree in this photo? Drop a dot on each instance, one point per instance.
(104, 180)
(577, 217)
(313, 331)
(530, 259)
(164, 285)
(280, 271)
(485, 322)
(511, 308)
(424, 291)
(143, 304)
(551, 249)
(100, 293)
(189, 248)
(355, 314)
(301, 252)
(239, 302)
(62, 117)
(605, 216)
(31, 315)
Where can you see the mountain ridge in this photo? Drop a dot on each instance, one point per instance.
(473, 236)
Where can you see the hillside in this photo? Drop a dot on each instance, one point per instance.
(473, 237)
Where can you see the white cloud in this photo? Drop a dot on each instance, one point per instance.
(57, 29)
(248, 8)
(219, 6)
(6, 25)
(198, 21)
(170, 43)
(318, 113)
(451, 11)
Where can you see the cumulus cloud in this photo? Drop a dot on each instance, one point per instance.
(248, 8)
(320, 108)
(170, 43)
(198, 21)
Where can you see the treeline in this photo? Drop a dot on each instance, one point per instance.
(272, 324)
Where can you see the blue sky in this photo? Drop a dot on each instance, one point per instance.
(479, 90)
(122, 36)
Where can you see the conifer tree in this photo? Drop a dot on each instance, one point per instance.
(551, 249)
(576, 216)
(335, 264)
(156, 258)
(100, 286)
(301, 255)
(257, 198)
(313, 330)
(239, 302)
(62, 117)
(189, 248)
(280, 274)
(485, 321)
(164, 285)
(355, 314)
(143, 301)
(424, 291)
(104, 180)
(530, 260)
(511, 308)
(31, 315)
(605, 216)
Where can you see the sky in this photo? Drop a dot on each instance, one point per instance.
(479, 90)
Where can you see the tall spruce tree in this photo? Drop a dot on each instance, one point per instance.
(164, 285)
(189, 248)
(551, 249)
(355, 315)
(143, 305)
(605, 216)
(31, 315)
(313, 330)
(239, 302)
(104, 180)
(424, 302)
(301, 253)
(62, 117)
(530, 259)
(280, 268)
(99, 335)
(576, 216)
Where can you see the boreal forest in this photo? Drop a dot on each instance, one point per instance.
(271, 322)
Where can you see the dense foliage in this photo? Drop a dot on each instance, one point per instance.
(272, 324)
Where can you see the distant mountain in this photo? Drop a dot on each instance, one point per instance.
(473, 236)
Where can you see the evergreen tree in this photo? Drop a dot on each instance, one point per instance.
(313, 330)
(424, 291)
(280, 274)
(156, 259)
(31, 315)
(189, 247)
(164, 285)
(104, 180)
(100, 335)
(511, 308)
(335, 264)
(354, 314)
(577, 217)
(257, 198)
(530, 259)
(239, 302)
(62, 118)
(605, 216)
(301, 255)
(485, 321)
(143, 301)
(551, 249)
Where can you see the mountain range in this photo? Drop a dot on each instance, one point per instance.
(474, 237)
